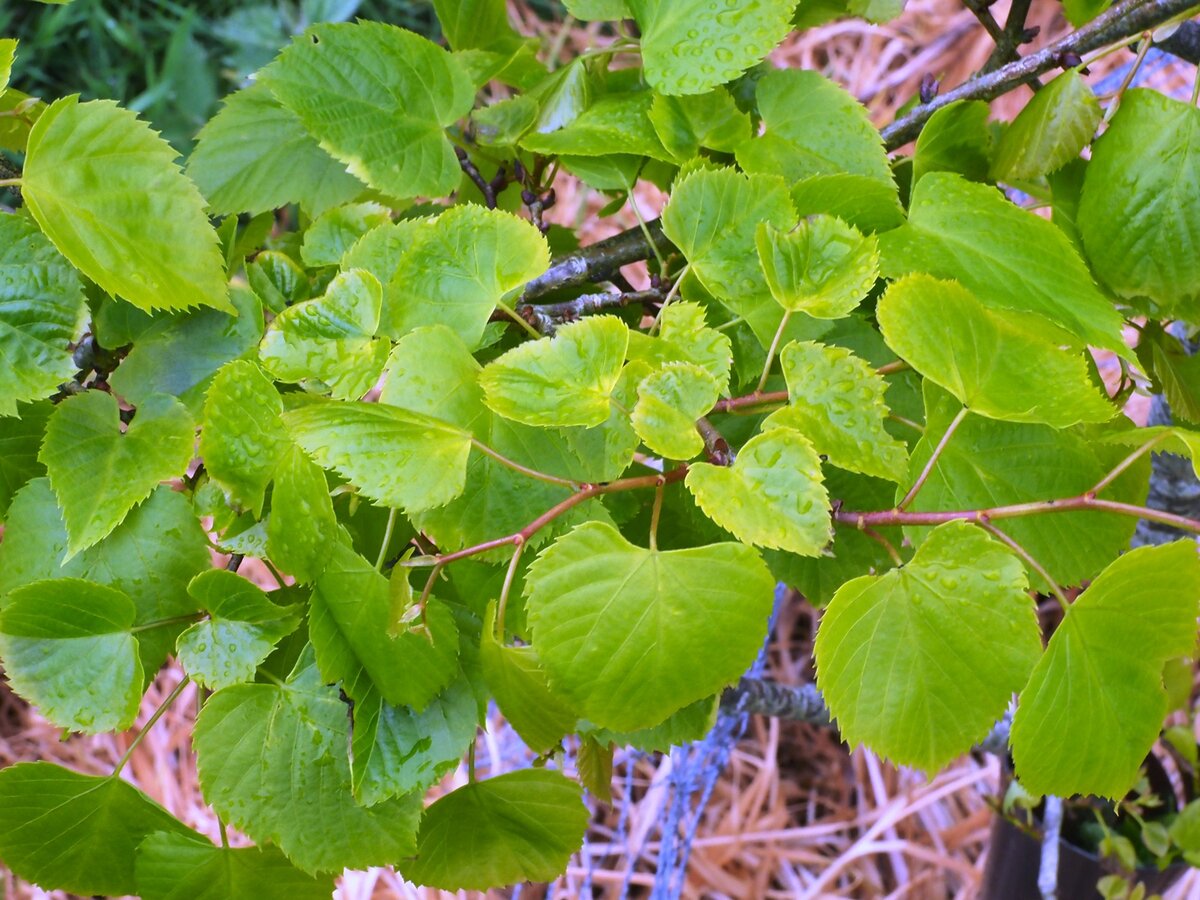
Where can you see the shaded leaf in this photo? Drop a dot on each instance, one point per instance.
(1052, 129)
(302, 525)
(955, 139)
(19, 450)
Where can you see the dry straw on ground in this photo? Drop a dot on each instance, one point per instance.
(794, 814)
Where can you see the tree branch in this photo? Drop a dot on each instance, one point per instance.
(546, 317)
(1120, 21)
(598, 261)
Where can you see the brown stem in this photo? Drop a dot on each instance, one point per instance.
(546, 317)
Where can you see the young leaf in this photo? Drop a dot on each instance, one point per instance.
(41, 312)
(243, 439)
(1050, 131)
(1007, 257)
(822, 267)
(356, 628)
(1135, 217)
(278, 280)
(955, 139)
(178, 355)
(100, 474)
(999, 364)
(595, 764)
(457, 269)
(431, 372)
(689, 47)
(630, 635)
(989, 463)
(564, 380)
(869, 204)
(920, 662)
(522, 826)
(669, 403)
(273, 762)
(175, 867)
(475, 23)
(518, 682)
(835, 399)
(712, 218)
(150, 557)
(1100, 680)
(1175, 371)
(104, 188)
(377, 98)
(772, 496)
(302, 525)
(254, 156)
(397, 750)
(814, 127)
(336, 230)
(331, 339)
(684, 336)
(685, 124)
(617, 123)
(8, 50)
(242, 629)
(394, 457)
(68, 648)
(19, 450)
(45, 809)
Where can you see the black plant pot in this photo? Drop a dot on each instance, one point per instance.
(1014, 857)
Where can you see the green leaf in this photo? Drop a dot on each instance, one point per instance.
(684, 336)
(1079, 12)
(688, 47)
(150, 557)
(68, 649)
(41, 312)
(1175, 371)
(595, 764)
(919, 663)
(278, 281)
(377, 98)
(563, 380)
(1000, 364)
(100, 822)
(835, 399)
(397, 750)
(1050, 131)
(988, 463)
(814, 127)
(254, 156)
(19, 450)
(302, 524)
(822, 267)
(475, 23)
(174, 867)
(356, 627)
(336, 230)
(458, 268)
(330, 340)
(630, 635)
(100, 474)
(522, 826)
(592, 10)
(273, 763)
(869, 204)
(104, 188)
(1095, 702)
(1136, 222)
(772, 496)
(243, 440)
(617, 123)
(178, 355)
(605, 451)
(523, 694)
(689, 724)
(712, 218)
(242, 629)
(395, 457)
(955, 139)
(669, 402)
(1007, 257)
(431, 372)
(712, 120)
(8, 50)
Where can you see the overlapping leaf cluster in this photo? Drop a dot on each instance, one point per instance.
(869, 379)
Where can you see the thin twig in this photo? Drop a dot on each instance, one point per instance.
(716, 448)
(546, 317)
(150, 723)
(1029, 560)
(1128, 461)
(933, 459)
